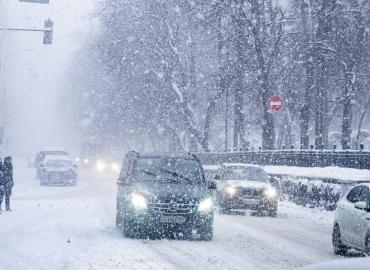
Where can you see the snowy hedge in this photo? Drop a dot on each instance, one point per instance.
(311, 193)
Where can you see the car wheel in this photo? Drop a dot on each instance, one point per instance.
(224, 210)
(119, 224)
(339, 247)
(272, 211)
(367, 246)
(129, 229)
(206, 232)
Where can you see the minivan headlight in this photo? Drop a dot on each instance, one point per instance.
(270, 193)
(100, 166)
(115, 167)
(138, 201)
(205, 205)
(231, 191)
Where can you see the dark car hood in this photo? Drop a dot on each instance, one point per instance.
(166, 192)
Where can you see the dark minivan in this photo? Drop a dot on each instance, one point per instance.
(164, 195)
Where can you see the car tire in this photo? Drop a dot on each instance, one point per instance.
(129, 230)
(206, 232)
(119, 221)
(338, 246)
(367, 245)
(224, 210)
(272, 211)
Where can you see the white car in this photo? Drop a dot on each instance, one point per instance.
(244, 186)
(47, 151)
(58, 170)
(352, 221)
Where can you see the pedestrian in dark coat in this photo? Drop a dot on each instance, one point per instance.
(8, 182)
(1, 183)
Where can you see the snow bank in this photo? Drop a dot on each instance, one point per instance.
(344, 175)
(350, 264)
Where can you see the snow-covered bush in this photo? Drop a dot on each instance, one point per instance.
(311, 193)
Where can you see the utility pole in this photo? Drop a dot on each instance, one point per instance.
(47, 30)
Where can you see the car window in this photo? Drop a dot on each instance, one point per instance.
(354, 195)
(58, 163)
(172, 169)
(365, 195)
(244, 173)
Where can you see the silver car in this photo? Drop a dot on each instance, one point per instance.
(244, 186)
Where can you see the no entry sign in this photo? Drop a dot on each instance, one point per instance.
(275, 103)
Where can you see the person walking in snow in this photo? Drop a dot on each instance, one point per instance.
(1, 183)
(7, 181)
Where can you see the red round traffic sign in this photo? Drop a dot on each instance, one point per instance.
(275, 103)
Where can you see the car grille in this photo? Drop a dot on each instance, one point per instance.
(172, 207)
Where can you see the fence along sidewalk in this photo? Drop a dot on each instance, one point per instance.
(300, 158)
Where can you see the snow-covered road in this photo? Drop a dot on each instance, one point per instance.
(73, 228)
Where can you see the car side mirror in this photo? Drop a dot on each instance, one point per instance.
(212, 185)
(362, 206)
(273, 181)
(217, 177)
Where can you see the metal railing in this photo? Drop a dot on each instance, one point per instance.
(299, 158)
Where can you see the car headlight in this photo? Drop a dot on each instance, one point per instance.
(205, 205)
(231, 191)
(86, 161)
(115, 167)
(77, 159)
(270, 193)
(100, 166)
(138, 201)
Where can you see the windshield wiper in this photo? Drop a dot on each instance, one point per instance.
(149, 173)
(170, 181)
(177, 175)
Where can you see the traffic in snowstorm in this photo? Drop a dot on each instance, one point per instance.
(184, 134)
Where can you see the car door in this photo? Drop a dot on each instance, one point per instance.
(361, 220)
(218, 179)
(345, 211)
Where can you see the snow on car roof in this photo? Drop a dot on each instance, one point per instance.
(211, 167)
(50, 149)
(54, 157)
(240, 165)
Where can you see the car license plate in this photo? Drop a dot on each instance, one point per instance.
(250, 201)
(173, 219)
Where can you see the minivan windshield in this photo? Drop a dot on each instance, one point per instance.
(170, 170)
(58, 163)
(244, 173)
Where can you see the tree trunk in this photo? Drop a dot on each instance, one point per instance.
(321, 93)
(347, 111)
(309, 83)
(268, 128)
(239, 88)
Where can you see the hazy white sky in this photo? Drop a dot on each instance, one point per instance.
(34, 72)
